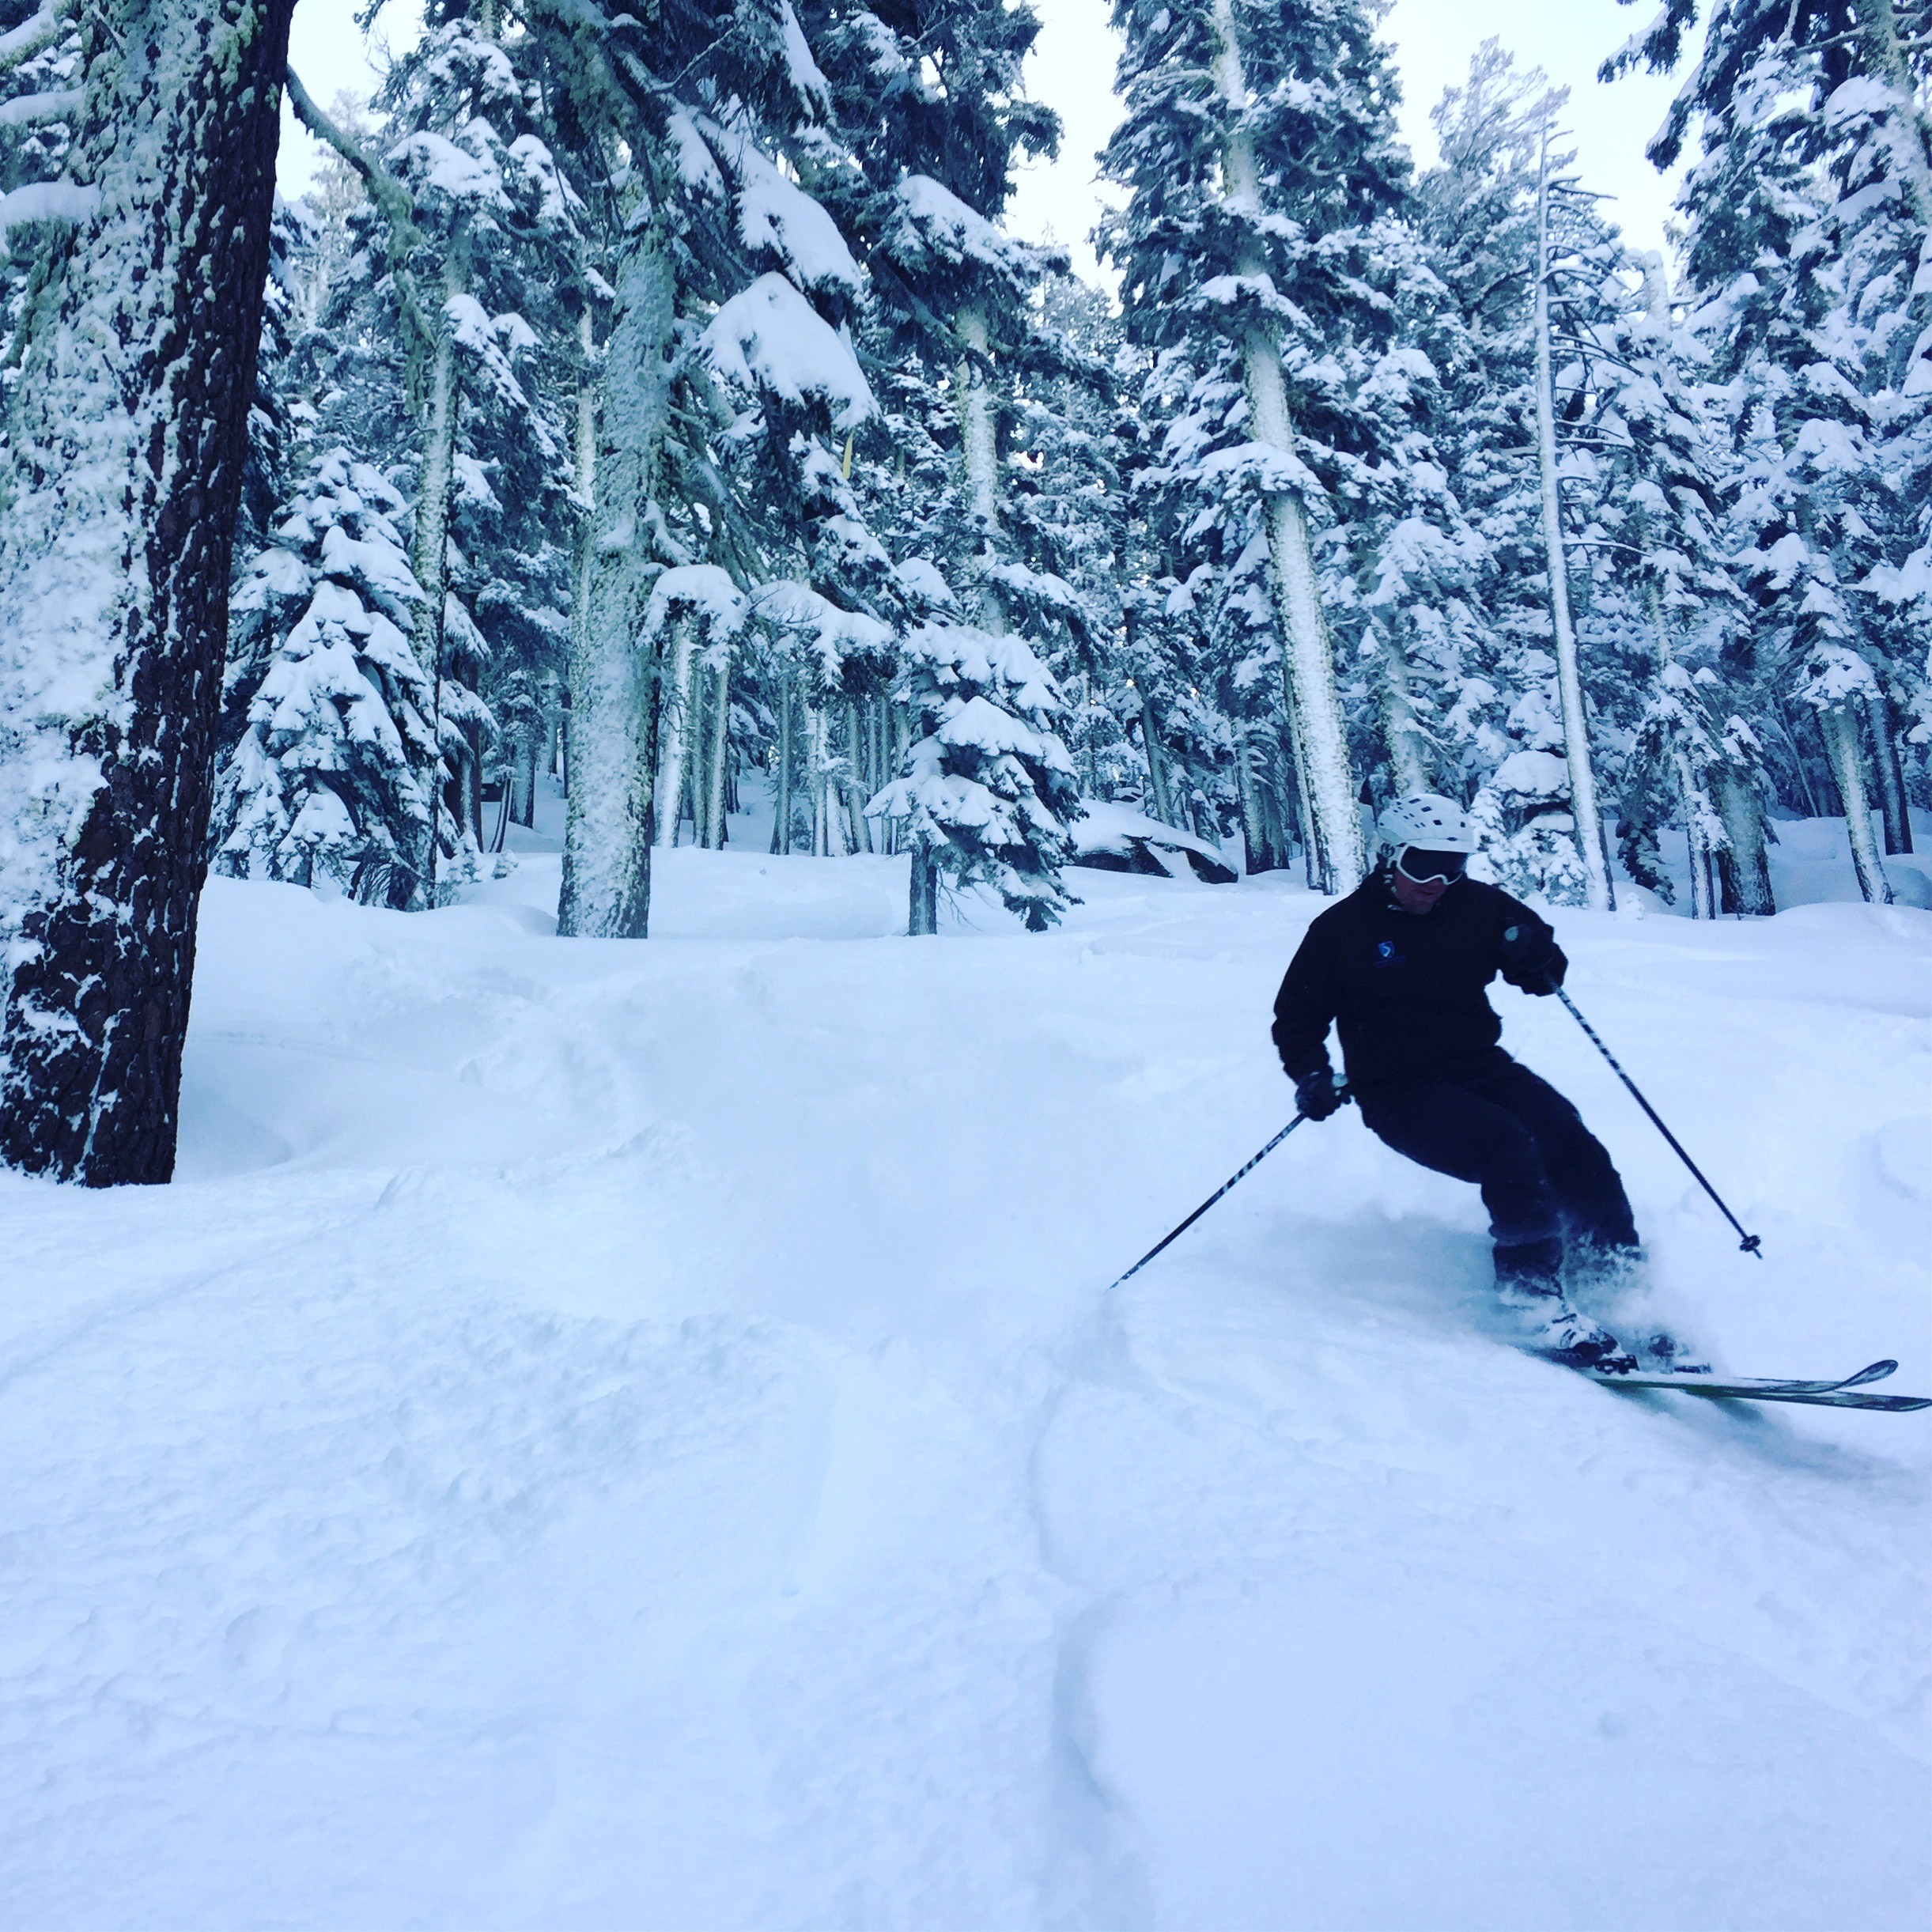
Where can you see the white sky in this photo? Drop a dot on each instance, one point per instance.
(1072, 70)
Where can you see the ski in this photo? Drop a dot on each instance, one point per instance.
(1847, 1392)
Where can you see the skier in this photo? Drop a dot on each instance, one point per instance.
(1400, 968)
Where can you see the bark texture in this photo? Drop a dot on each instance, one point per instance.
(1744, 865)
(1840, 723)
(606, 873)
(118, 502)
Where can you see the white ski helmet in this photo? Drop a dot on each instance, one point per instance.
(1424, 819)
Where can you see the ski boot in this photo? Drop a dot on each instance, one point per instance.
(1601, 1272)
(1528, 1284)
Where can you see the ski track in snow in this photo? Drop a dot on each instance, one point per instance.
(616, 1434)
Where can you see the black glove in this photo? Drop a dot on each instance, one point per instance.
(1317, 1096)
(1532, 959)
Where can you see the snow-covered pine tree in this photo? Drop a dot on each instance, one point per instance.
(325, 787)
(423, 350)
(935, 110)
(1661, 558)
(1259, 149)
(1573, 253)
(988, 789)
(1810, 212)
(499, 229)
(126, 436)
(1521, 376)
(683, 130)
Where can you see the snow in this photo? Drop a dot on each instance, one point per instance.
(932, 220)
(47, 201)
(1533, 774)
(703, 589)
(1117, 828)
(769, 336)
(630, 1434)
(777, 216)
(29, 110)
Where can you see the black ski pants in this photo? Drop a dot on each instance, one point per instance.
(1545, 1177)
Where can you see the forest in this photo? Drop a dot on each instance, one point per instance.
(652, 403)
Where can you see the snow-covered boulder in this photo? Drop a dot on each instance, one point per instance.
(1116, 838)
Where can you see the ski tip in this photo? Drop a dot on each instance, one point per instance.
(1876, 1371)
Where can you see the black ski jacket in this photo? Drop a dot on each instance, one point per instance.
(1404, 991)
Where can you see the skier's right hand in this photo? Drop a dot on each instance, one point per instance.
(1317, 1096)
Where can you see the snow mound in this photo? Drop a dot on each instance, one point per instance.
(1116, 838)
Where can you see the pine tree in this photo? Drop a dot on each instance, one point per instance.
(1810, 206)
(325, 786)
(989, 788)
(1259, 148)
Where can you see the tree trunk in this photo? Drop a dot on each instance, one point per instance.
(856, 792)
(923, 917)
(1157, 764)
(829, 807)
(606, 873)
(1337, 857)
(675, 724)
(1590, 839)
(1839, 724)
(1696, 837)
(1891, 803)
(1744, 866)
(127, 432)
(1408, 750)
(782, 818)
(1311, 861)
(429, 560)
(979, 453)
(720, 751)
(1258, 855)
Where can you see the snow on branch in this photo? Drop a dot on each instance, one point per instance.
(29, 110)
(769, 338)
(778, 217)
(700, 590)
(47, 201)
(35, 35)
(807, 83)
(932, 223)
(835, 633)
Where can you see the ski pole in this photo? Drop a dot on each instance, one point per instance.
(1749, 1243)
(1241, 1175)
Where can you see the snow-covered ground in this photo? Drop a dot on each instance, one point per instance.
(609, 1435)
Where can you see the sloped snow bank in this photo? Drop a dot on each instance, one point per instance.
(1116, 838)
(629, 1434)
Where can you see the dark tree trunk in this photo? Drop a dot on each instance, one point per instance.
(127, 431)
(1891, 774)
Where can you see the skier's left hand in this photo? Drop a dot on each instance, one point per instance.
(1532, 959)
(1317, 1096)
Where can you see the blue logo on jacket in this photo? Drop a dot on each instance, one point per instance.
(1386, 954)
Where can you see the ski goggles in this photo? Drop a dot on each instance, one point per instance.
(1422, 868)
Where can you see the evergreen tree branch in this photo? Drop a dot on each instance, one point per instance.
(35, 35)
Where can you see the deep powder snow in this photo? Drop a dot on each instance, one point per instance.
(629, 1434)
